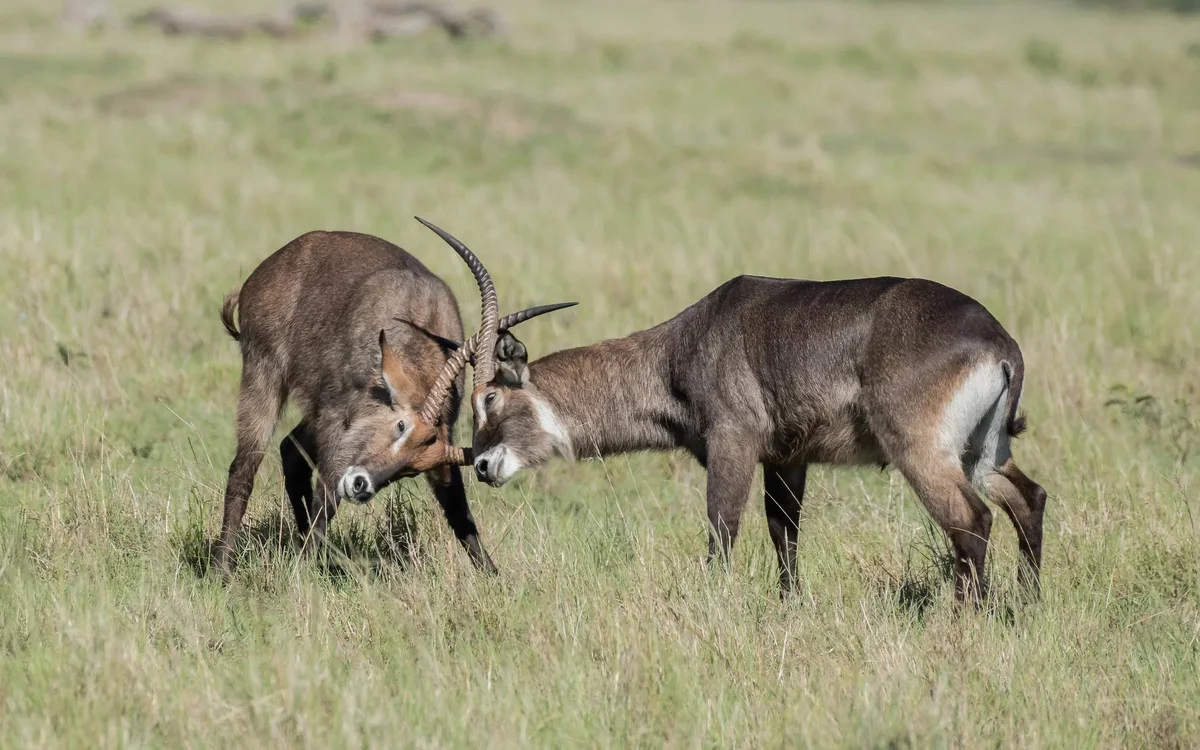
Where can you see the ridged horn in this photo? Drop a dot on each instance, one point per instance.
(514, 319)
(488, 331)
(431, 410)
(507, 322)
(456, 456)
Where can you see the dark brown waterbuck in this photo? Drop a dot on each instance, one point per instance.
(358, 333)
(788, 373)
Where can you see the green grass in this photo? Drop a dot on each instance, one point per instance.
(632, 156)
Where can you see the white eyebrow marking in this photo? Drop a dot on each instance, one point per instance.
(396, 446)
(480, 411)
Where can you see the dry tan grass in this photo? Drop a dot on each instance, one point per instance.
(1040, 158)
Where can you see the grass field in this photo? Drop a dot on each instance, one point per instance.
(632, 156)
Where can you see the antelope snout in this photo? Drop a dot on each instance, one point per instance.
(481, 468)
(496, 466)
(356, 485)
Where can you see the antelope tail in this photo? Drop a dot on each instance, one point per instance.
(228, 307)
(1014, 372)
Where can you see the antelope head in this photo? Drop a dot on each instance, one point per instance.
(409, 435)
(388, 436)
(515, 427)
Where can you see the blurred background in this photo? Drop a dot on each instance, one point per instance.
(1042, 157)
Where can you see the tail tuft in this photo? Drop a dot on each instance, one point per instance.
(227, 309)
(1016, 425)
(1014, 372)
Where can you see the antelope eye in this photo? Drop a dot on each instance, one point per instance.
(489, 399)
(401, 427)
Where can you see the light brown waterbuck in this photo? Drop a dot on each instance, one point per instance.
(358, 332)
(788, 373)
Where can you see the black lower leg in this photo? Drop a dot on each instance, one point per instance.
(969, 553)
(447, 486)
(1027, 515)
(970, 542)
(783, 496)
(298, 455)
(952, 502)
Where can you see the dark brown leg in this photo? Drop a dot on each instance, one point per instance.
(258, 408)
(447, 485)
(730, 462)
(298, 454)
(950, 500)
(320, 512)
(784, 493)
(1024, 501)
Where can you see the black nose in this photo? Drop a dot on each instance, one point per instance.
(481, 467)
(360, 484)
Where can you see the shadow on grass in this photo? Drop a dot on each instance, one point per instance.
(353, 548)
(929, 571)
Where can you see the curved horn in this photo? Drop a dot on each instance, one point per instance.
(490, 306)
(489, 302)
(431, 410)
(514, 319)
(463, 354)
(517, 318)
(456, 456)
(508, 321)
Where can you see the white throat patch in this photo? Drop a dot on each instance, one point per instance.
(549, 423)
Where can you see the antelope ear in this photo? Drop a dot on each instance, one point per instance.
(392, 374)
(512, 361)
(441, 341)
